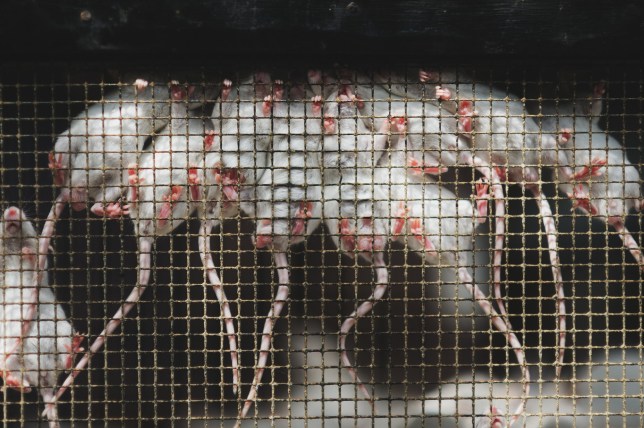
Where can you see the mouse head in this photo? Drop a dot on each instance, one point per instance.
(16, 230)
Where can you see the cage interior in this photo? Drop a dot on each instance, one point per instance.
(426, 354)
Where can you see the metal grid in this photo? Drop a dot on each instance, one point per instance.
(423, 344)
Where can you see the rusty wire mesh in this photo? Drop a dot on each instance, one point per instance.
(423, 344)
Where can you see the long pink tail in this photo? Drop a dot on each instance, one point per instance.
(501, 326)
(145, 246)
(628, 240)
(281, 262)
(499, 230)
(382, 278)
(551, 234)
(213, 278)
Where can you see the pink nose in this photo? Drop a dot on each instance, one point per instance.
(12, 213)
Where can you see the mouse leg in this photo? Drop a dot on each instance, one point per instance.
(419, 168)
(592, 170)
(217, 286)
(482, 199)
(466, 115)
(302, 214)
(281, 263)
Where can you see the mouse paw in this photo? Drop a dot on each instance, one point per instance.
(565, 135)
(329, 125)
(399, 124)
(56, 167)
(347, 236)
(417, 230)
(140, 85)
(267, 105)
(226, 87)
(401, 218)
(418, 168)
(466, 115)
(209, 139)
(302, 214)
(13, 382)
(592, 170)
(581, 199)
(427, 76)
(443, 94)
(317, 104)
(278, 90)
(74, 349)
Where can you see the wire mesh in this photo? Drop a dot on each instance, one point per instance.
(426, 353)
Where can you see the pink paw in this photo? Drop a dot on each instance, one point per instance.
(193, 183)
(401, 218)
(267, 105)
(56, 166)
(593, 170)
(565, 134)
(226, 87)
(209, 139)
(177, 91)
(278, 90)
(427, 76)
(74, 349)
(317, 104)
(443, 94)
(116, 210)
(581, 199)
(419, 169)
(399, 123)
(140, 85)
(466, 114)
(329, 125)
(347, 235)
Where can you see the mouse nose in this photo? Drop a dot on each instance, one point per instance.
(12, 213)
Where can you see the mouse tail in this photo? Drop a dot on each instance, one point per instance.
(281, 263)
(551, 234)
(466, 278)
(145, 248)
(215, 282)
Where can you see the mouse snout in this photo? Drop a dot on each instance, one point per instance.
(78, 199)
(12, 219)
